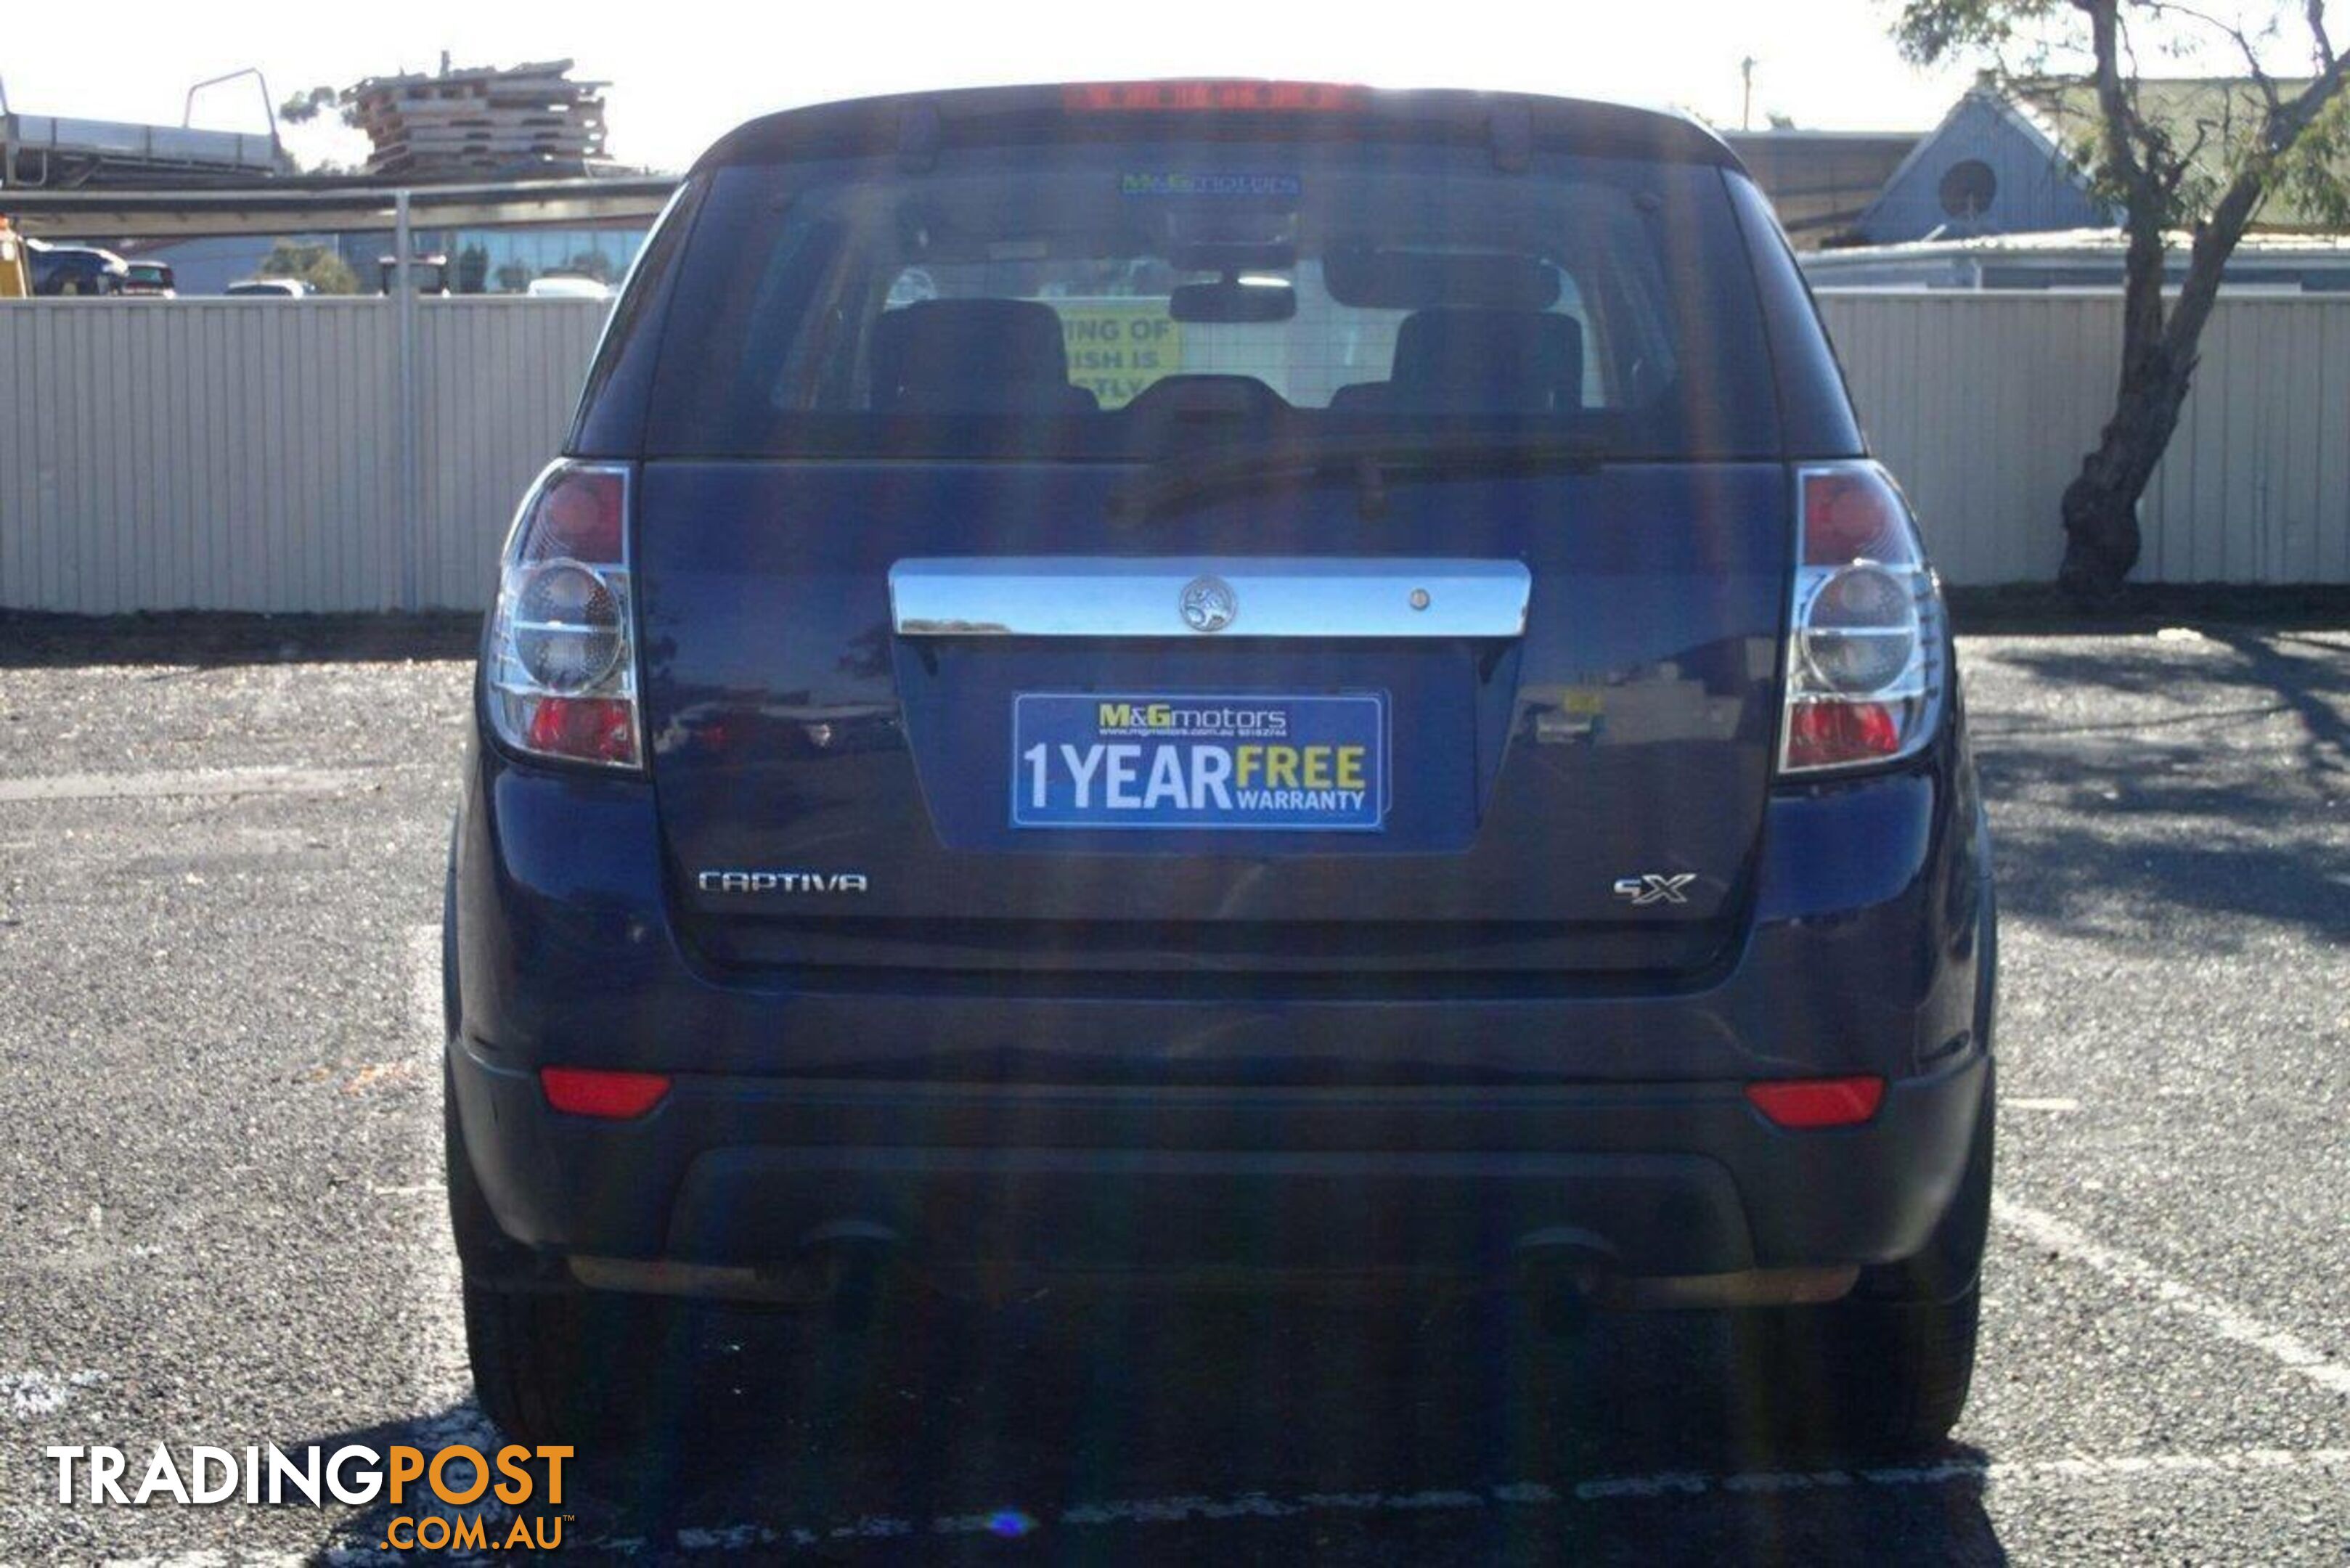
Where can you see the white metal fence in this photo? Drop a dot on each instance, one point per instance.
(1983, 403)
(243, 454)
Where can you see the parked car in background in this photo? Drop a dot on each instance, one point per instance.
(427, 274)
(75, 269)
(1429, 756)
(566, 285)
(150, 280)
(267, 288)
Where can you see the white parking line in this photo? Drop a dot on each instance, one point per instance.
(2227, 1320)
(424, 1006)
(177, 782)
(39, 1394)
(1013, 1523)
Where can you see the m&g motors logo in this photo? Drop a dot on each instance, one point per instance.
(1173, 719)
(457, 1476)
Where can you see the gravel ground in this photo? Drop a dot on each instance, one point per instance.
(220, 1220)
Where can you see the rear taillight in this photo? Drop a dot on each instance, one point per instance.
(1868, 665)
(562, 661)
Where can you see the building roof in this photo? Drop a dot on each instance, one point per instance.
(2065, 258)
(1821, 181)
(305, 205)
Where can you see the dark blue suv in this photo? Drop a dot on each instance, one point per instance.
(1151, 680)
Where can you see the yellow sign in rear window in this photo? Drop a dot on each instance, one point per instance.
(1119, 347)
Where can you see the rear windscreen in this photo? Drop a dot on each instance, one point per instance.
(1121, 300)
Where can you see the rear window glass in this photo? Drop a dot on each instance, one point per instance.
(1115, 301)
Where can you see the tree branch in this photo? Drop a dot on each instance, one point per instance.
(2114, 107)
(2217, 236)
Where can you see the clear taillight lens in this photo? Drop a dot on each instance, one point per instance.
(1868, 664)
(562, 664)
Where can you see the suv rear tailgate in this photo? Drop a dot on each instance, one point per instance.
(1625, 734)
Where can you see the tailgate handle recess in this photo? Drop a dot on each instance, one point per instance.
(1319, 597)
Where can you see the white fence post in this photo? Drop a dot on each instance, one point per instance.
(403, 291)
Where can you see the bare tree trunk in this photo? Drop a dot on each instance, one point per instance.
(2100, 506)
(2160, 346)
(2160, 349)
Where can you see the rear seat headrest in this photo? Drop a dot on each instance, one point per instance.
(1476, 358)
(972, 356)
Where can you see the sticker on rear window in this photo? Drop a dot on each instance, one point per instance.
(1238, 761)
(1179, 183)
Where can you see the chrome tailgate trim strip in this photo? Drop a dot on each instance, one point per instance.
(1323, 597)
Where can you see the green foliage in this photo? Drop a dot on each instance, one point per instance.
(1930, 32)
(589, 263)
(304, 106)
(472, 269)
(318, 266)
(2314, 181)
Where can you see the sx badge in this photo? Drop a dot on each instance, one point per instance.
(1655, 888)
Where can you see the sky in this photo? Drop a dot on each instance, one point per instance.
(677, 85)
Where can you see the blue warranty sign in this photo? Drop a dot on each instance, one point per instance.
(1232, 761)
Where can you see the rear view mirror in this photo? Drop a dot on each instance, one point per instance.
(1366, 278)
(1233, 255)
(1261, 299)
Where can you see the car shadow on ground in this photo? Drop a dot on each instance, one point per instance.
(1237, 1430)
(2149, 808)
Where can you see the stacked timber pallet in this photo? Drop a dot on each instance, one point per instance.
(482, 121)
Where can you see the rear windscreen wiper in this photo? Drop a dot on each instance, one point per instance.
(1371, 460)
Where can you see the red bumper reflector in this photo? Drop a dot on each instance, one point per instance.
(615, 1097)
(1818, 1102)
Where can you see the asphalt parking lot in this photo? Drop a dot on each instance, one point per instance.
(221, 1219)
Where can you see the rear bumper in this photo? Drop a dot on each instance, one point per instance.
(1009, 1121)
(1860, 955)
(1660, 1180)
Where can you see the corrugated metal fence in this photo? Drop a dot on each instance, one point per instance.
(242, 455)
(1983, 404)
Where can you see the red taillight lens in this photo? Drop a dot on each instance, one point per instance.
(614, 1096)
(595, 729)
(561, 665)
(1848, 518)
(1804, 1102)
(1211, 96)
(578, 516)
(1822, 734)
